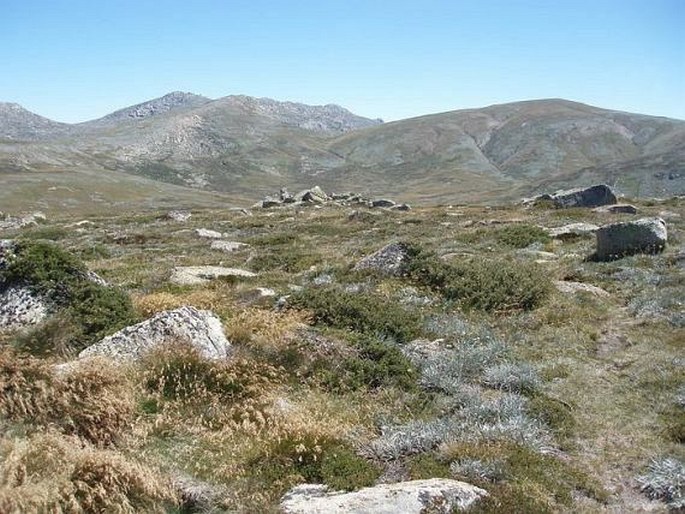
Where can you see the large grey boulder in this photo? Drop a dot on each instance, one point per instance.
(201, 329)
(593, 196)
(646, 235)
(382, 202)
(313, 195)
(195, 275)
(389, 260)
(21, 307)
(435, 495)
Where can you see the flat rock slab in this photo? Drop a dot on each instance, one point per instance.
(210, 234)
(194, 275)
(569, 287)
(21, 307)
(646, 235)
(436, 495)
(572, 230)
(201, 329)
(619, 208)
(228, 246)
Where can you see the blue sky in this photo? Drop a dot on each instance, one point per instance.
(78, 60)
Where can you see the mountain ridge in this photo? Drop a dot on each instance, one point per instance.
(249, 146)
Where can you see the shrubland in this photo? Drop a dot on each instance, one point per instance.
(468, 364)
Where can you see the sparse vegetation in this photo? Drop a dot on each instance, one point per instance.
(487, 375)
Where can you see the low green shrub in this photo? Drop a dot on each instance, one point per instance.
(377, 364)
(481, 284)
(87, 311)
(427, 465)
(521, 235)
(360, 312)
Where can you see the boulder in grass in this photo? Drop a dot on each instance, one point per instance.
(228, 246)
(179, 216)
(593, 196)
(209, 234)
(439, 495)
(389, 260)
(646, 235)
(201, 329)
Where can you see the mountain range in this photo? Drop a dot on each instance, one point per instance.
(240, 147)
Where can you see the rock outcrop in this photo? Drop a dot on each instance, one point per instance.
(389, 260)
(317, 196)
(201, 329)
(436, 495)
(646, 235)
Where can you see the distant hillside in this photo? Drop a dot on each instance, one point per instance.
(247, 146)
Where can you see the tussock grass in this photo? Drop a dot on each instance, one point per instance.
(92, 400)
(49, 472)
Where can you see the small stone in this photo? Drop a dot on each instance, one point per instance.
(382, 202)
(179, 216)
(228, 246)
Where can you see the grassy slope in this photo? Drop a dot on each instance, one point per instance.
(613, 361)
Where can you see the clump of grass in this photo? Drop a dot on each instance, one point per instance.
(91, 400)
(360, 312)
(427, 465)
(665, 480)
(52, 473)
(179, 372)
(481, 284)
(308, 457)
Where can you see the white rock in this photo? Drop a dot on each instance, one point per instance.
(180, 216)
(201, 329)
(437, 495)
(227, 246)
(193, 275)
(210, 234)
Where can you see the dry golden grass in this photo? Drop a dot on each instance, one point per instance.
(49, 472)
(91, 399)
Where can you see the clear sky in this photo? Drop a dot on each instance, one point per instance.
(80, 59)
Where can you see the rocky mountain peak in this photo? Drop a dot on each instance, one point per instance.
(330, 118)
(157, 106)
(18, 123)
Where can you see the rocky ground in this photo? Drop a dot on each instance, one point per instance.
(324, 353)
